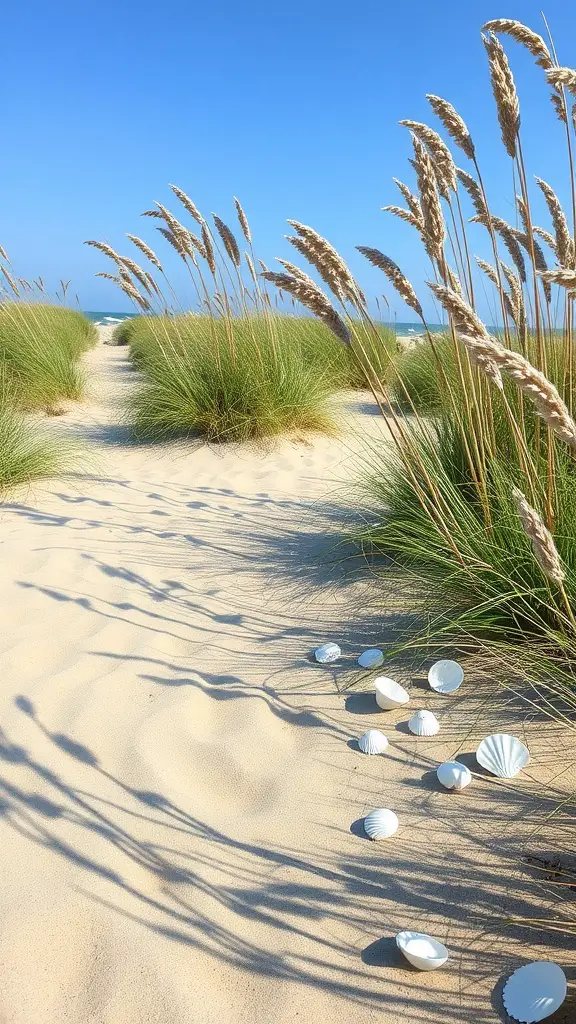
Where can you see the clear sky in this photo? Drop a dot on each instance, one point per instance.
(293, 108)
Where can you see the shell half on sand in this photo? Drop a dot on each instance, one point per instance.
(502, 755)
(535, 991)
(381, 823)
(373, 742)
(372, 658)
(424, 723)
(421, 950)
(327, 653)
(389, 694)
(446, 676)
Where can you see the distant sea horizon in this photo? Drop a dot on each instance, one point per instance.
(110, 316)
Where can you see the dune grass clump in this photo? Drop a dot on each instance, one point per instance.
(40, 350)
(238, 367)
(27, 452)
(474, 505)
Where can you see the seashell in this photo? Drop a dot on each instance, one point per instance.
(502, 755)
(381, 823)
(371, 658)
(445, 676)
(454, 775)
(327, 653)
(421, 950)
(373, 742)
(535, 991)
(424, 723)
(389, 694)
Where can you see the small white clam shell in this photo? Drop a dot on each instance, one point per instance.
(327, 653)
(445, 676)
(371, 658)
(381, 823)
(373, 742)
(502, 755)
(424, 723)
(421, 950)
(389, 694)
(454, 775)
(535, 991)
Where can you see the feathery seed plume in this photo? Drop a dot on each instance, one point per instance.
(394, 275)
(546, 236)
(543, 546)
(4, 255)
(453, 124)
(435, 230)
(474, 191)
(230, 243)
(559, 107)
(529, 380)
(188, 204)
(243, 221)
(559, 77)
(438, 150)
(562, 276)
(564, 245)
(327, 260)
(412, 201)
(531, 40)
(504, 91)
(407, 215)
(144, 248)
(311, 296)
(207, 239)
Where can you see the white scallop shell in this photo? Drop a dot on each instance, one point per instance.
(424, 723)
(327, 653)
(389, 694)
(445, 676)
(373, 742)
(421, 950)
(371, 658)
(454, 775)
(535, 991)
(381, 823)
(502, 755)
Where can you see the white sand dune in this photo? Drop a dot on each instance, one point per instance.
(180, 799)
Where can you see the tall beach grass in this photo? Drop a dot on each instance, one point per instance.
(237, 367)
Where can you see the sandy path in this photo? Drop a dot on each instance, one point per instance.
(179, 793)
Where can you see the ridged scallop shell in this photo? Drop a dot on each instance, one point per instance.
(502, 755)
(424, 723)
(327, 653)
(389, 694)
(373, 742)
(421, 950)
(454, 775)
(371, 658)
(535, 991)
(381, 823)
(445, 676)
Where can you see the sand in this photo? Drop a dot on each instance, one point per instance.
(180, 791)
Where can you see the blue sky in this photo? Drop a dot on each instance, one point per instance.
(293, 108)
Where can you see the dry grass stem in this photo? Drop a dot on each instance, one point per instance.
(531, 40)
(504, 91)
(543, 545)
(394, 275)
(453, 124)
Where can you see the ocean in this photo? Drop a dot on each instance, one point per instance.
(108, 318)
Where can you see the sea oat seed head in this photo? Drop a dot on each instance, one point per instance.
(453, 124)
(543, 546)
(504, 91)
(531, 40)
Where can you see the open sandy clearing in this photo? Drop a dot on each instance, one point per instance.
(180, 795)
